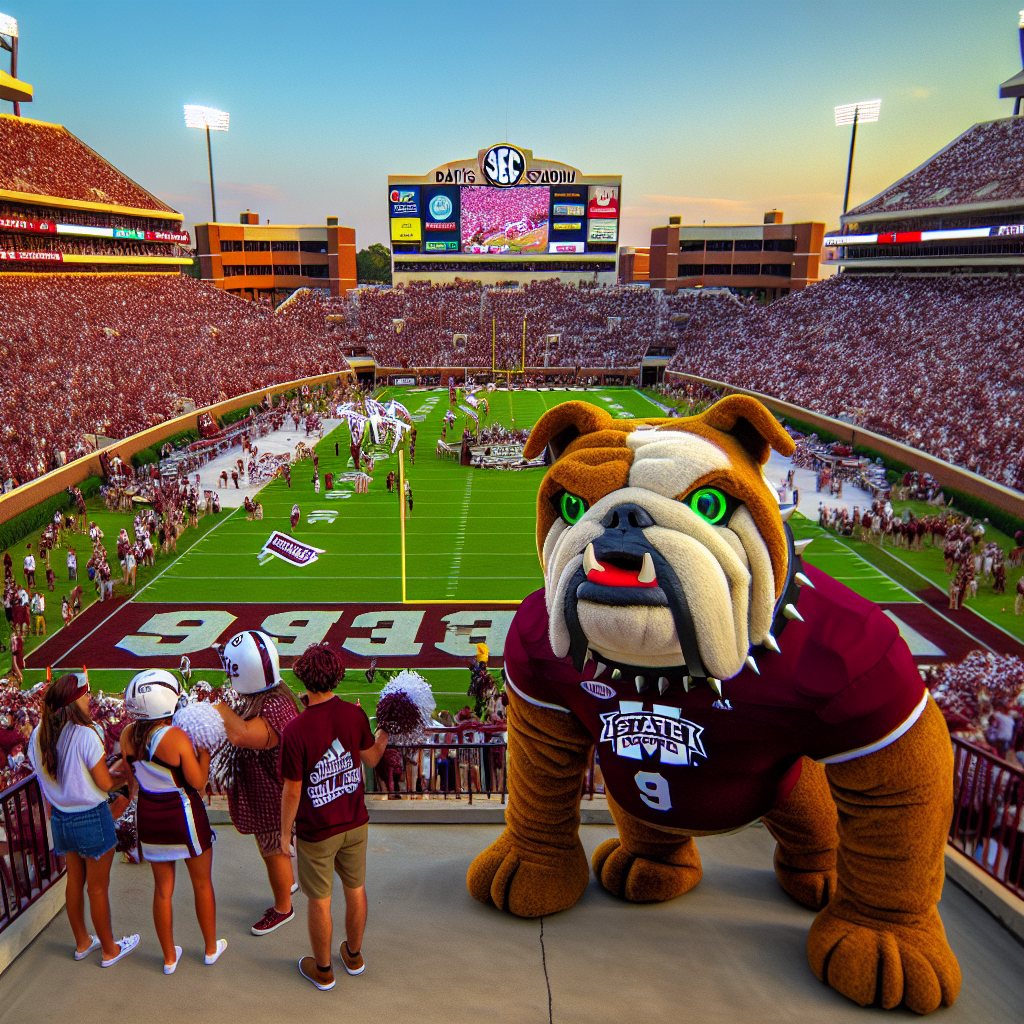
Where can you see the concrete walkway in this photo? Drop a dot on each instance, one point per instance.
(275, 443)
(732, 950)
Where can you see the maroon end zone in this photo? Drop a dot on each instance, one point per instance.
(136, 636)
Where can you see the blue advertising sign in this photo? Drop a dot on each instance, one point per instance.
(440, 212)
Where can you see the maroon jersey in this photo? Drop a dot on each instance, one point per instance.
(844, 685)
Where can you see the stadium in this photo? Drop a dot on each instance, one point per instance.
(180, 466)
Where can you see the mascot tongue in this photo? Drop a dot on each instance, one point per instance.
(609, 575)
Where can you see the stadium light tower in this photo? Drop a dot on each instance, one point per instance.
(212, 120)
(855, 113)
(10, 88)
(1014, 87)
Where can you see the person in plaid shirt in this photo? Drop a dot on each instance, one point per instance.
(253, 761)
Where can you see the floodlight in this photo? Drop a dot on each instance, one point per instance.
(210, 118)
(8, 26)
(866, 110)
(1020, 22)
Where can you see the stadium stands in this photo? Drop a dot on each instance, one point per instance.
(934, 362)
(109, 354)
(47, 159)
(597, 327)
(985, 164)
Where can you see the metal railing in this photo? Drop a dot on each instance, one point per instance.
(988, 814)
(453, 764)
(28, 865)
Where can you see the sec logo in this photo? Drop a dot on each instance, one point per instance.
(440, 207)
(504, 166)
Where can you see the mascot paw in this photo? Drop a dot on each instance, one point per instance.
(641, 880)
(879, 962)
(526, 885)
(812, 887)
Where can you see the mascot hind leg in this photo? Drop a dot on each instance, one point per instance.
(646, 864)
(880, 939)
(804, 827)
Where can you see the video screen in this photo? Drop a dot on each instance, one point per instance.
(504, 220)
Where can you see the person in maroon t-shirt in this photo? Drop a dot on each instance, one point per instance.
(323, 798)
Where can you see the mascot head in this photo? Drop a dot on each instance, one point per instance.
(662, 543)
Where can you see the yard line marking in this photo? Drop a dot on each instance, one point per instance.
(460, 543)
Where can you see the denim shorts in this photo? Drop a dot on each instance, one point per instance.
(87, 833)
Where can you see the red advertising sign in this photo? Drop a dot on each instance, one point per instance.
(48, 257)
(168, 236)
(604, 201)
(17, 224)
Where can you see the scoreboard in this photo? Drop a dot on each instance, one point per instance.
(504, 205)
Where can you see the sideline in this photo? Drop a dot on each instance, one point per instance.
(917, 600)
(134, 596)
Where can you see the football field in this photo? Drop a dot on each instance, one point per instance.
(468, 558)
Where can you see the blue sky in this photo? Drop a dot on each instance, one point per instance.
(715, 111)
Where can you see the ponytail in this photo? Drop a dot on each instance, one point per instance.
(59, 708)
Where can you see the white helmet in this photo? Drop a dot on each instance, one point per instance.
(153, 694)
(251, 661)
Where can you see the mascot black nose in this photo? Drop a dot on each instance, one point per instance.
(626, 517)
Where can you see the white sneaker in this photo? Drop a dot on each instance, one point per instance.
(171, 968)
(94, 943)
(222, 944)
(126, 946)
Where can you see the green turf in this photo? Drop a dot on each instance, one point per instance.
(471, 535)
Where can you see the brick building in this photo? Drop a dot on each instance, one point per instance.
(269, 261)
(767, 260)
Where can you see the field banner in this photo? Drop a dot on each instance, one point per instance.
(139, 635)
(288, 549)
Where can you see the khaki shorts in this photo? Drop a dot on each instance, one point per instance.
(344, 852)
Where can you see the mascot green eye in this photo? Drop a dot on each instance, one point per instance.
(709, 503)
(571, 508)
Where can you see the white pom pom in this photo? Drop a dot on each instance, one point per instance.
(203, 724)
(418, 690)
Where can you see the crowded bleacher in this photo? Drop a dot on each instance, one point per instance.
(47, 159)
(110, 355)
(455, 324)
(934, 362)
(985, 164)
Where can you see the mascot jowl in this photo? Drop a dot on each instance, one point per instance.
(723, 681)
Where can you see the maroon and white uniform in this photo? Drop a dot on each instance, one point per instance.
(844, 685)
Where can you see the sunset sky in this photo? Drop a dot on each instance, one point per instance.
(715, 111)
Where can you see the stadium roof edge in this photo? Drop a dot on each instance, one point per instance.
(858, 211)
(933, 211)
(164, 213)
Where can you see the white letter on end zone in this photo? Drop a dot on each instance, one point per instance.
(198, 630)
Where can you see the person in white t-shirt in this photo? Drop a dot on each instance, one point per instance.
(30, 568)
(68, 754)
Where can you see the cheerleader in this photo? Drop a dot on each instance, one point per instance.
(172, 821)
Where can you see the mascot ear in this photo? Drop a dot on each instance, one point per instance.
(559, 427)
(751, 423)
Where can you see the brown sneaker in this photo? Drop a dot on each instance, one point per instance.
(323, 980)
(353, 962)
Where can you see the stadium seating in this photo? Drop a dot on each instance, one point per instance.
(109, 354)
(934, 362)
(432, 315)
(985, 164)
(48, 160)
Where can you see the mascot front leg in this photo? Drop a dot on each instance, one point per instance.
(646, 864)
(880, 939)
(537, 866)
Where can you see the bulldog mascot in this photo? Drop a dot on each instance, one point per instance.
(723, 682)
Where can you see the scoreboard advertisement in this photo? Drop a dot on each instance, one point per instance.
(504, 203)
